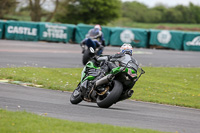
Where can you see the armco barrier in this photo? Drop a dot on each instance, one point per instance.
(191, 41)
(56, 32)
(1, 29)
(82, 30)
(136, 37)
(166, 38)
(15, 30)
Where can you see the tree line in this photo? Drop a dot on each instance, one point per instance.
(102, 11)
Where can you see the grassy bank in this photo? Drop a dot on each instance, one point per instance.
(175, 86)
(23, 122)
(170, 26)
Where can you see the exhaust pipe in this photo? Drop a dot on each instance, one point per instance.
(104, 80)
(127, 95)
(130, 93)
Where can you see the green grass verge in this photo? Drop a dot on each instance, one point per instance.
(175, 86)
(128, 23)
(23, 122)
(24, 16)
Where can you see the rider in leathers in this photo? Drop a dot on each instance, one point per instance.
(96, 35)
(108, 64)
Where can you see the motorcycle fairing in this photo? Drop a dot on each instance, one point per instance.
(89, 72)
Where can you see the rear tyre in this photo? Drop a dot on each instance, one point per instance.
(76, 96)
(86, 56)
(111, 96)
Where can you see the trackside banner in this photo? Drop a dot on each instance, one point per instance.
(136, 37)
(166, 38)
(27, 31)
(82, 30)
(56, 32)
(192, 41)
(1, 28)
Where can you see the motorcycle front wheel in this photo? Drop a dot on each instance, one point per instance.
(86, 56)
(111, 96)
(76, 96)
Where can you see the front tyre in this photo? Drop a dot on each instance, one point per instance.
(86, 56)
(111, 96)
(76, 96)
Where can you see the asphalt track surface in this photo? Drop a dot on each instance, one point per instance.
(60, 55)
(56, 103)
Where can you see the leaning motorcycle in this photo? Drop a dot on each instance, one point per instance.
(112, 87)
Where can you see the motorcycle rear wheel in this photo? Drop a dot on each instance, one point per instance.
(76, 96)
(111, 96)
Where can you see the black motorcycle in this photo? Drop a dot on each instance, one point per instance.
(89, 50)
(90, 45)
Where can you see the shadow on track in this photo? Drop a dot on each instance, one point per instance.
(111, 108)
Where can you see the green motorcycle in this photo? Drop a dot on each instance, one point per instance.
(106, 89)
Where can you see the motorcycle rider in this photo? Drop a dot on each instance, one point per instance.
(108, 63)
(96, 35)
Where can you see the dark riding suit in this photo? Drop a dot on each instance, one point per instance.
(97, 38)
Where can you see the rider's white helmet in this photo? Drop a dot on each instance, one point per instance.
(97, 26)
(126, 49)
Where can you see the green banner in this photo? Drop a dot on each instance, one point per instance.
(192, 41)
(1, 28)
(56, 32)
(82, 30)
(133, 36)
(166, 38)
(27, 31)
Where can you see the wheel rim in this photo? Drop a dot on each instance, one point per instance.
(105, 95)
